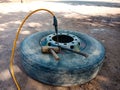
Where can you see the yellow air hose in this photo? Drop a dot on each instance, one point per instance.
(14, 45)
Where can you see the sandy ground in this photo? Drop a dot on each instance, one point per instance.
(99, 20)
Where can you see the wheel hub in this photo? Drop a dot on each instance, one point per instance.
(64, 39)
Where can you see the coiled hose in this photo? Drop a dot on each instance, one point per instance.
(15, 41)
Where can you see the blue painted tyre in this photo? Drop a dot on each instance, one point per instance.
(71, 69)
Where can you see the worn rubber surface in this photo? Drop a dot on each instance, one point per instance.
(71, 69)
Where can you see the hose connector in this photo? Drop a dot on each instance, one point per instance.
(55, 24)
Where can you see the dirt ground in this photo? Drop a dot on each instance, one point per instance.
(100, 20)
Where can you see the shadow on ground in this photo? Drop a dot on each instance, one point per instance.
(93, 3)
(5, 1)
(103, 28)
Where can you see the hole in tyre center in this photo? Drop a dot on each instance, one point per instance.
(63, 38)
